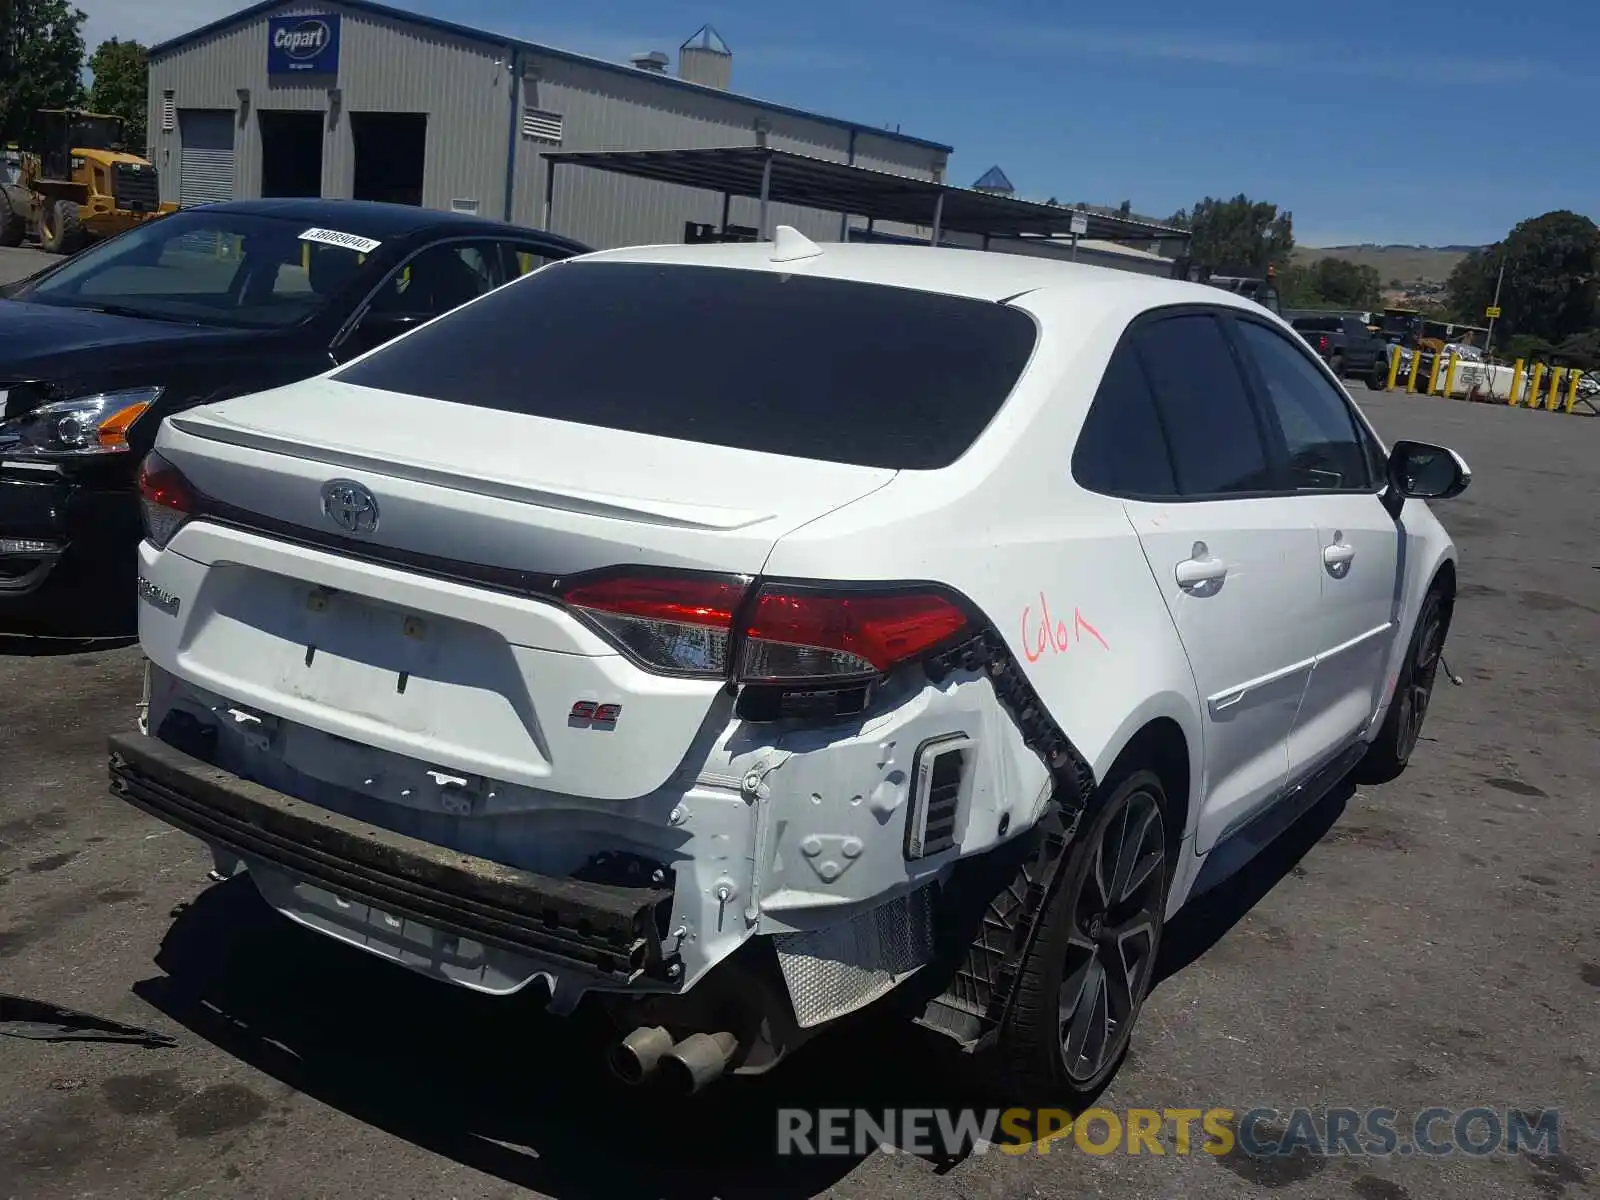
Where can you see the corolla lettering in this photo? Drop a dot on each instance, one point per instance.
(1049, 636)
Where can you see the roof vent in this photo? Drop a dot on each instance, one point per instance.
(789, 244)
(705, 59)
(654, 60)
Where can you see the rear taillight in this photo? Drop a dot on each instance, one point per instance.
(1322, 344)
(678, 624)
(782, 639)
(816, 636)
(167, 498)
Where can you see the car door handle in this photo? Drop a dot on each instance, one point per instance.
(1338, 557)
(1199, 573)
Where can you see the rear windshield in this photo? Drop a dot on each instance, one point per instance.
(784, 364)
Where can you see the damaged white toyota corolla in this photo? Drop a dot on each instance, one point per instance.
(736, 636)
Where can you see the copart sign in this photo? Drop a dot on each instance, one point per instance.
(304, 44)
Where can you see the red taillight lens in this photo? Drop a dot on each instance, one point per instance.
(671, 623)
(166, 497)
(799, 635)
(1322, 344)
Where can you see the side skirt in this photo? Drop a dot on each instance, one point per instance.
(1239, 845)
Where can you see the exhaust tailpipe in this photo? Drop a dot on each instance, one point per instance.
(699, 1059)
(636, 1057)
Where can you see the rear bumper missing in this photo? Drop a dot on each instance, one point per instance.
(607, 930)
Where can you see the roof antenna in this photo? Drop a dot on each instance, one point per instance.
(788, 244)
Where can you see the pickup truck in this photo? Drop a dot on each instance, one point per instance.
(1348, 346)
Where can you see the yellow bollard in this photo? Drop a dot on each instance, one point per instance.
(1534, 385)
(1516, 383)
(1394, 368)
(1556, 375)
(1433, 374)
(1572, 388)
(1450, 376)
(1411, 379)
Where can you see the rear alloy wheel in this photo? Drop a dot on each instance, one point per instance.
(1391, 750)
(1086, 977)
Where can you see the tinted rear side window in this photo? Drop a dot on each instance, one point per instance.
(785, 364)
(1121, 450)
(1217, 445)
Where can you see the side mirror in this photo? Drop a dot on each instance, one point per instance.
(376, 328)
(1420, 471)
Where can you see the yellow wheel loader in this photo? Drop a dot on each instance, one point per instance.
(77, 182)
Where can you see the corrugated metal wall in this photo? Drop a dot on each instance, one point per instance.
(466, 88)
(604, 110)
(383, 67)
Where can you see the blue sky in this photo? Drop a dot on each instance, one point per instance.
(1445, 125)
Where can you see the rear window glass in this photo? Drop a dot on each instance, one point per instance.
(784, 364)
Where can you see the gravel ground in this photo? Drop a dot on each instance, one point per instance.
(1435, 941)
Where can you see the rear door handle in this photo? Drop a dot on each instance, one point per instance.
(1200, 571)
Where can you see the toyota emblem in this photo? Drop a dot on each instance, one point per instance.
(349, 506)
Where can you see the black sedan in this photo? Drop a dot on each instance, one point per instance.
(202, 305)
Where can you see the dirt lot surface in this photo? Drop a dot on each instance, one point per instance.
(1434, 941)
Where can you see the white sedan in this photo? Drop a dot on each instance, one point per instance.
(736, 636)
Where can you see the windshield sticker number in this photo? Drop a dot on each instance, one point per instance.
(347, 241)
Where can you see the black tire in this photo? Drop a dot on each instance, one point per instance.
(12, 226)
(69, 235)
(1378, 377)
(1078, 938)
(1391, 750)
(1336, 363)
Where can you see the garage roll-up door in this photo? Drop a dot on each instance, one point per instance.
(207, 166)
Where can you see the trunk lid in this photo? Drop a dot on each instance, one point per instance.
(501, 489)
(378, 638)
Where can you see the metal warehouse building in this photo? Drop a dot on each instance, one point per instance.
(355, 99)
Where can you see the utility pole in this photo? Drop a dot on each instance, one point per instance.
(1488, 338)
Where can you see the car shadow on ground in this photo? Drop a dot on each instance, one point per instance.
(503, 1088)
(1207, 918)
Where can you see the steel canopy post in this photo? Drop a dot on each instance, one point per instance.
(938, 219)
(727, 201)
(766, 191)
(549, 192)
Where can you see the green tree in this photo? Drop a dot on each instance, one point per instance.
(1330, 283)
(1239, 236)
(121, 86)
(1345, 284)
(44, 50)
(1552, 279)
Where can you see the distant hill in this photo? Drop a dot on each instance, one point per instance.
(1408, 264)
